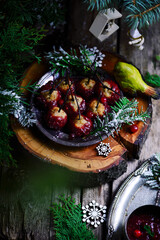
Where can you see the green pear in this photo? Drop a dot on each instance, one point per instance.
(130, 80)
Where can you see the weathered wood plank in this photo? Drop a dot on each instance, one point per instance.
(152, 144)
(25, 198)
(79, 22)
(152, 48)
(144, 61)
(100, 195)
(132, 165)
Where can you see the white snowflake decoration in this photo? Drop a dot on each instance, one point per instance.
(103, 149)
(94, 214)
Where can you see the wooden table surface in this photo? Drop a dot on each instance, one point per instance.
(27, 192)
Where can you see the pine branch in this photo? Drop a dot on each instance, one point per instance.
(36, 13)
(152, 175)
(19, 37)
(11, 103)
(62, 62)
(124, 111)
(153, 80)
(67, 217)
(17, 49)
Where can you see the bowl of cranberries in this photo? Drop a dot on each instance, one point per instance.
(66, 107)
(144, 223)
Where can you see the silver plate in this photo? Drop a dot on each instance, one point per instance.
(59, 137)
(132, 194)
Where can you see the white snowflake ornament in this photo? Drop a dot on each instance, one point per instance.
(103, 149)
(94, 214)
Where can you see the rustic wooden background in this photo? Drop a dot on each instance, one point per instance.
(27, 192)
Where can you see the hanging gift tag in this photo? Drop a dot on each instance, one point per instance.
(104, 24)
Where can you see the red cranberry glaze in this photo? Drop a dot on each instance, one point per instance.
(72, 108)
(66, 87)
(109, 92)
(86, 88)
(47, 96)
(80, 126)
(96, 108)
(56, 118)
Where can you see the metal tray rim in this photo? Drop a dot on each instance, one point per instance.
(116, 229)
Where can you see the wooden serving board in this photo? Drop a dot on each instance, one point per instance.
(83, 159)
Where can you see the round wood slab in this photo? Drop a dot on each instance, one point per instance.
(83, 159)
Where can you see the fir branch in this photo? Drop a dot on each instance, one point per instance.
(16, 50)
(138, 12)
(153, 80)
(21, 31)
(67, 217)
(124, 111)
(143, 13)
(101, 4)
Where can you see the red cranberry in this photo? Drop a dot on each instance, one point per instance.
(133, 128)
(73, 104)
(56, 118)
(90, 114)
(66, 87)
(97, 108)
(103, 100)
(137, 233)
(109, 90)
(80, 127)
(72, 135)
(60, 102)
(86, 88)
